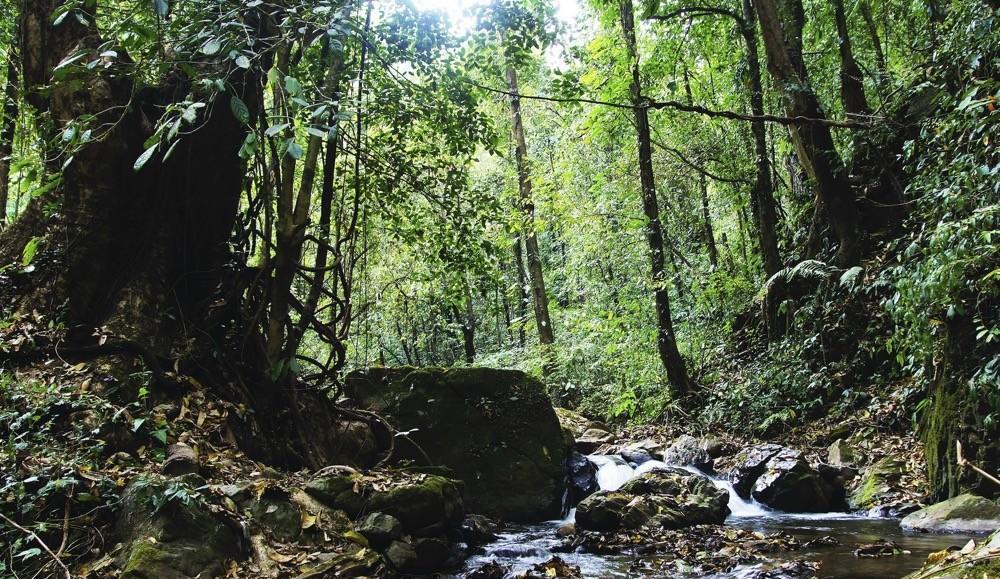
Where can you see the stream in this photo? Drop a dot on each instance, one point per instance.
(523, 546)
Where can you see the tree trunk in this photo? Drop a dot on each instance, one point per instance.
(866, 13)
(762, 202)
(469, 328)
(706, 214)
(781, 23)
(522, 291)
(141, 256)
(7, 130)
(852, 87)
(540, 299)
(666, 343)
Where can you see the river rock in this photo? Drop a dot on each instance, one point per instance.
(790, 484)
(688, 451)
(178, 539)
(669, 498)
(582, 477)
(840, 454)
(976, 560)
(965, 513)
(592, 439)
(879, 485)
(638, 453)
(576, 423)
(495, 429)
(478, 530)
(380, 529)
(749, 465)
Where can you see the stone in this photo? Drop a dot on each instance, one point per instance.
(593, 438)
(275, 512)
(181, 459)
(841, 454)
(687, 451)
(582, 476)
(401, 555)
(430, 501)
(670, 498)
(380, 529)
(478, 530)
(575, 422)
(714, 446)
(495, 429)
(790, 484)
(749, 465)
(966, 513)
(879, 485)
(976, 560)
(178, 540)
(356, 443)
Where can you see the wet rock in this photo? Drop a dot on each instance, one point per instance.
(592, 438)
(582, 477)
(976, 560)
(688, 451)
(490, 570)
(665, 498)
(879, 485)
(554, 567)
(566, 529)
(788, 570)
(419, 503)
(962, 514)
(638, 453)
(790, 484)
(181, 459)
(478, 530)
(880, 549)
(749, 465)
(380, 529)
(419, 556)
(841, 454)
(576, 423)
(401, 555)
(715, 447)
(175, 539)
(496, 429)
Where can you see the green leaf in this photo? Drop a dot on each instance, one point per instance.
(144, 158)
(275, 129)
(240, 110)
(292, 85)
(294, 149)
(30, 249)
(242, 61)
(211, 47)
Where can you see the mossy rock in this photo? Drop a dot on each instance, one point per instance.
(962, 514)
(179, 540)
(496, 429)
(878, 484)
(977, 563)
(275, 512)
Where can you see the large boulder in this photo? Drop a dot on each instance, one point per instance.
(789, 483)
(749, 464)
(167, 533)
(582, 475)
(669, 498)
(495, 429)
(879, 489)
(977, 560)
(962, 514)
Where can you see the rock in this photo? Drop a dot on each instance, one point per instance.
(962, 514)
(356, 443)
(426, 504)
(790, 484)
(687, 451)
(490, 570)
(421, 556)
(401, 555)
(554, 567)
(749, 465)
(181, 459)
(836, 479)
(566, 530)
(576, 423)
(592, 438)
(275, 512)
(582, 477)
(715, 447)
(840, 454)
(380, 529)
(178, 540)
(478, 530)
(667, 498)
(879, 485)
(602, 511)
(361, 562)
(496, 429)
(787, 570)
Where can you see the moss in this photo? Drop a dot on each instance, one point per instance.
(147, 561)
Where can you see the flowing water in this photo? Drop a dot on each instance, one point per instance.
(524, 546)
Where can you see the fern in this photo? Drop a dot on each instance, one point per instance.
(807, 269)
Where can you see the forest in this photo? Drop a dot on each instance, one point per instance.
(499, 289)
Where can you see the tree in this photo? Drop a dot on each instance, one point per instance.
(666, 342)
(781, 23)
(852, 88)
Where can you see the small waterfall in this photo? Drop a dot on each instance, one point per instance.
(613, 472)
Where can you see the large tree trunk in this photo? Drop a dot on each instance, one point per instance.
(141, 256)
(781, 24)
(666, 343)
(762, 203)
(540, 299)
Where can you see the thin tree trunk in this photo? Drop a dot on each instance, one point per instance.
(540, 299)
(762, 203)
(522, 291)
(666, 342)
(866, 13)
(781, 22)
(852, 87)
(713, 250)
(7, 132)
(469, 328)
